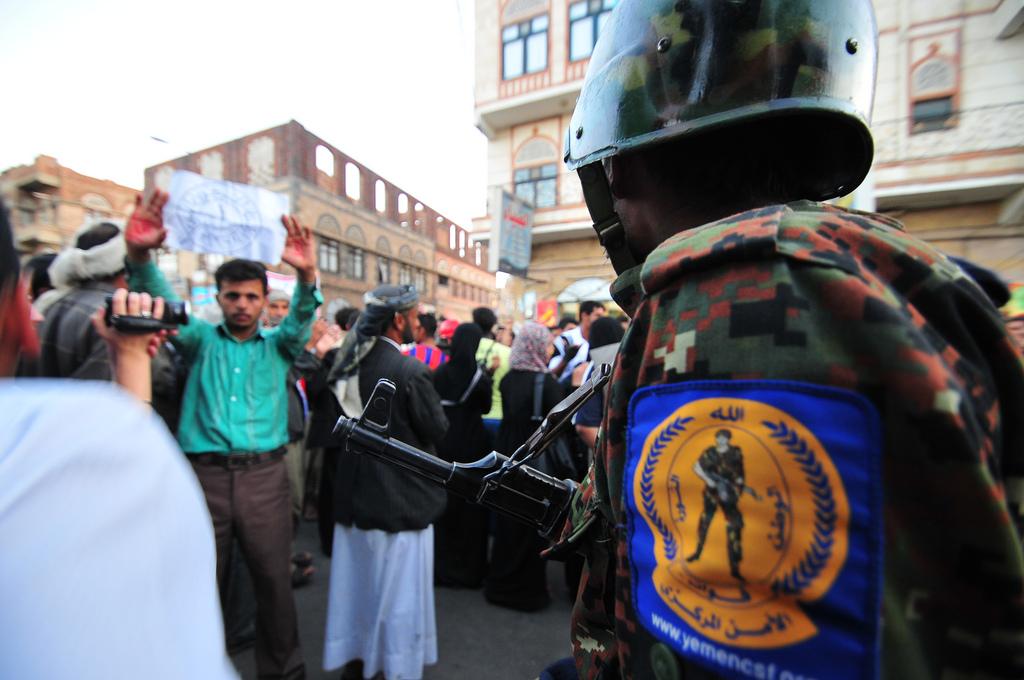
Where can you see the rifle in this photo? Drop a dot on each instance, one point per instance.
(730, 492)
(504, 484)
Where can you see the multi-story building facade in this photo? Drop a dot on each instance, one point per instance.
(948, 122)
(949, 126)
(531, 57)
(48, 203)
(367, 229)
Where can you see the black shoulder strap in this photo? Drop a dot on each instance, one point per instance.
(538, 397)
(490, 348)
(469, 390)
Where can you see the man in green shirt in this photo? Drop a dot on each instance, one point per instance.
(234, 418)
(493, 357)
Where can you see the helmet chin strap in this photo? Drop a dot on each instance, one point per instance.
(610, 232)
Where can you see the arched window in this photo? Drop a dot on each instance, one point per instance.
(353, 179)
(933, 92)
(96, 207)
(211, 164)
(262, 161)
(162, 178)
(536, 172)
(383, 270)
(328, 225)
(355, 235)
(324, 160)
(380, 196)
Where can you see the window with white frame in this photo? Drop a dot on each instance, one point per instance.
(586, 19)
(354, 263)
(328, 256)
(524, 47)
(538, 185)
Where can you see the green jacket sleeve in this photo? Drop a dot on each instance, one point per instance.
(293, 334)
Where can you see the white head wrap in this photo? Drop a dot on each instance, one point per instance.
(74, 265)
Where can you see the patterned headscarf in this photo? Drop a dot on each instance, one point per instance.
(382, 303)
(530, 348)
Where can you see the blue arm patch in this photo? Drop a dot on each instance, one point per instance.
(754, 526)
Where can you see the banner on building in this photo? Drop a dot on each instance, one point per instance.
(514, 224)
(547, 313)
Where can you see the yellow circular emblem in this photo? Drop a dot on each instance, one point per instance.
(749, 517)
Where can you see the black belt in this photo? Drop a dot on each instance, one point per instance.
(236, 460)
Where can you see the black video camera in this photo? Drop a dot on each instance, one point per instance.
(175, 314)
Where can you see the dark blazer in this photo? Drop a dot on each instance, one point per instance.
(370, 494)
(323, 407)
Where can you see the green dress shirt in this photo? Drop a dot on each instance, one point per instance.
(236, 397)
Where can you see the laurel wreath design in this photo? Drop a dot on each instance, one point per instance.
(817, 556)
(647, 484)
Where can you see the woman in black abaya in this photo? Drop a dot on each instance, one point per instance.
(517, 577)
(460, 538)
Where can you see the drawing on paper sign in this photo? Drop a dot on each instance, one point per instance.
(215, 216)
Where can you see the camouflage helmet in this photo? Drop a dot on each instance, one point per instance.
(668, 68)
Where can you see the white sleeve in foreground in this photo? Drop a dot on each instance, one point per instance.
(108, 568)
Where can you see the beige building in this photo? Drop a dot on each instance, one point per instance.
(531, 56)
(367, 229)
(949, 128)
(48, 203)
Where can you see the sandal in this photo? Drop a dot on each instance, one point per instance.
(302, 559)
(301, 576)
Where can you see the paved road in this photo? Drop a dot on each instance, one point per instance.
(476, 640)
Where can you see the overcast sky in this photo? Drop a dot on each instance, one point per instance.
(388, 82)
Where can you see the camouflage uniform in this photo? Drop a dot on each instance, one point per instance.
(727, 469)
(822, 300)
(812, 293)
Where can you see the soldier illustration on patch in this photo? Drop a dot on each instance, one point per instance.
(721, 469)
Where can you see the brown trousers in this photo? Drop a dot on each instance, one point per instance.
(253, 503)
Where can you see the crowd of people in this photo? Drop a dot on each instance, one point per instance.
(808, 463)
(252, 401)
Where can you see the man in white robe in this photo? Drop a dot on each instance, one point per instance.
(380, 615)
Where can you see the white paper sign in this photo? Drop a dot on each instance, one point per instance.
(226, 218)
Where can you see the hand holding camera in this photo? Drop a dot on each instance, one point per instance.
(150, 315)
(133, 325)
(136, 321)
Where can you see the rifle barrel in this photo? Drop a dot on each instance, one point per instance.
(525, 493)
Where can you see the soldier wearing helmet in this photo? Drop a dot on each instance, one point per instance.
(870, 383)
